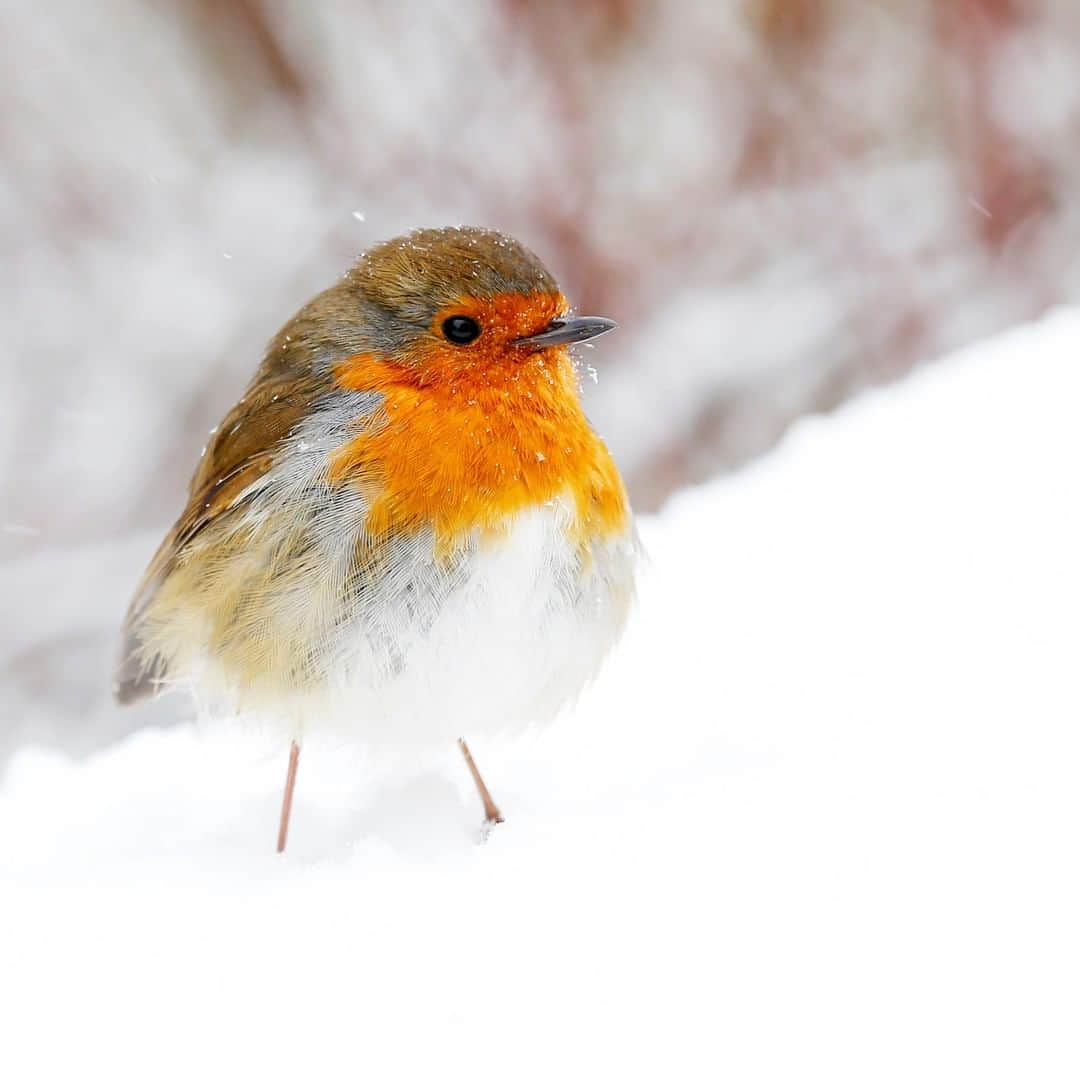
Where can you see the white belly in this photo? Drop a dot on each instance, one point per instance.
(518, 628)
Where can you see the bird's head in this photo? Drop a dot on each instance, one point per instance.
(443, 301)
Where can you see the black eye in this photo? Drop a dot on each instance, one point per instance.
(460, 329)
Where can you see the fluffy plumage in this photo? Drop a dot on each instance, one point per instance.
(391, 533)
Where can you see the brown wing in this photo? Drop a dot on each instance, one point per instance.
(241, 450)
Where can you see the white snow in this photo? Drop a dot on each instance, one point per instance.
(817, 817)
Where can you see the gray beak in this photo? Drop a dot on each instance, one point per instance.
(567, 331)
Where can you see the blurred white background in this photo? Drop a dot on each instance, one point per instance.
(781, 202)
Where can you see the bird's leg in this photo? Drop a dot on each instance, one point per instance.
(286, 802)
(491, 811)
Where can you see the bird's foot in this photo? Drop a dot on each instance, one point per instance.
(487, 827)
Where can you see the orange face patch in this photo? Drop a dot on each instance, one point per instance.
(502, 319)
(470, 435)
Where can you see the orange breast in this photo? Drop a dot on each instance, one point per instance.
(466, 447)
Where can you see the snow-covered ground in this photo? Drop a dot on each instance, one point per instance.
(817, 817)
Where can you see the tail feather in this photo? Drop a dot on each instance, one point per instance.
(136, 676)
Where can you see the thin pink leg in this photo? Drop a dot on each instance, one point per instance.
(491, 811)
(286, 802)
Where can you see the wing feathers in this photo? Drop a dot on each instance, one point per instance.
(241, 451)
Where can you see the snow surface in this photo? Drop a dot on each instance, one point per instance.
(817, 817)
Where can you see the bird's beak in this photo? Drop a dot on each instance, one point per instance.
(567, 331)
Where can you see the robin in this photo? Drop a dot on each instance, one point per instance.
(406, 528)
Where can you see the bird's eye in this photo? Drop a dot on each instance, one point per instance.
(460, 329)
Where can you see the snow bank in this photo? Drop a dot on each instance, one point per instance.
(817, 817)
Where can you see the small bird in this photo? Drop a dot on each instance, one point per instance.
(406, 530)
